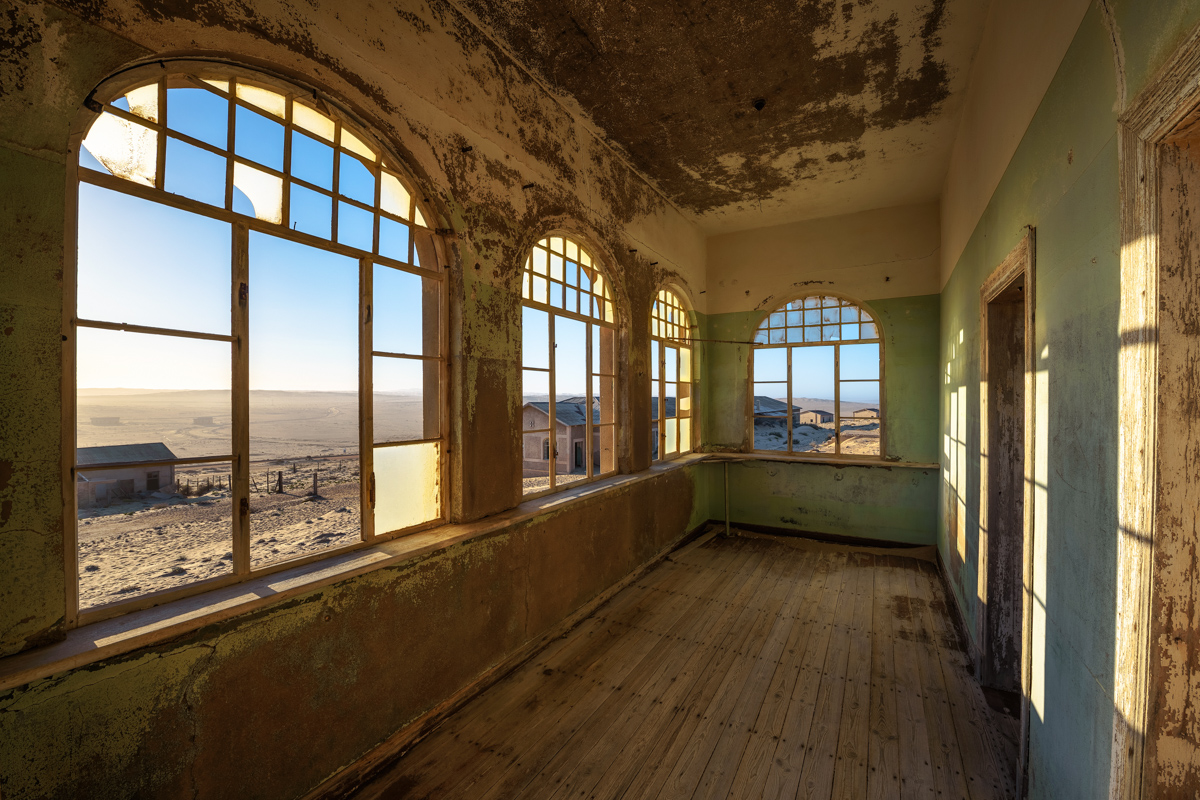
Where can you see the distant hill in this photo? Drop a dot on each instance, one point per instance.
(817, 404)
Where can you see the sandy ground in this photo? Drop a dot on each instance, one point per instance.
(858, 437)
(165, 540)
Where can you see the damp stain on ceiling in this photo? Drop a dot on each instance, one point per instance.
(756, 113)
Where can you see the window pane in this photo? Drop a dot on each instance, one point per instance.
(311, 212)
(356, 227)
(655, 358)
(200, 114)
(406, 312)
(355, 180)
(303, 396)
(685, 364)
(393, 239)
(407, 486)
(535, 338)
(535, 459)
(164, 392)
(258, 138)
(859, 362)
(685, 435)
(860, 420)
(405, 399)
(770, 364)
(535, 388)
(570, 368)
(770, 433)
(672, 436)
(195, 173)
(263, 191)
(149, 528)
(671, 363)
(812, 396)
(312, 161)
(148, 264)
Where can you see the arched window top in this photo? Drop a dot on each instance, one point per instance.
(224, 140)
(668, 318)
(560, 273)
(817, 318)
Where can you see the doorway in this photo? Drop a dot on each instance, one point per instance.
(1005, 496)
(1006, 503)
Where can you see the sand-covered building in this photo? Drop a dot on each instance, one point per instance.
(332, 259)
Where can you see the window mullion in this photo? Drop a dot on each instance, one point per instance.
(241, 398)
(591, 430)
(160, 172)
(552, 463)
(790, 412)
(837, 399)
(229, 142)
(366, 399)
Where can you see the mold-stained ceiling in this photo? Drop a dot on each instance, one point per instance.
(860, 99)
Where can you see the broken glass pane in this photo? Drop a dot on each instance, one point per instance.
(264, 191)
(126, 149)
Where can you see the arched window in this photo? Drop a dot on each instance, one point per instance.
(817, 379)
(259, 356)
(671, 378)
(569, 381)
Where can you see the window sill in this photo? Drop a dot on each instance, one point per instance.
(832, 461)
(128, 632)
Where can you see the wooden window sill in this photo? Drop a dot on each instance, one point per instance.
(832, 461)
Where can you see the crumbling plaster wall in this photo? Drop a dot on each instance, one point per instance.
(886, 258)
(1063, 180)
(502, 163)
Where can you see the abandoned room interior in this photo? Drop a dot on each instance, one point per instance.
(479, 399)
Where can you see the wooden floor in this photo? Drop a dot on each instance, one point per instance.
(739, 668)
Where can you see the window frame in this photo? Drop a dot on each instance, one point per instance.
(432, 251)
(837, 455)
(658, 385)
(599, 263)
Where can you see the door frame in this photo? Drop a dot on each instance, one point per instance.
(1167, 105)
(1019, 262)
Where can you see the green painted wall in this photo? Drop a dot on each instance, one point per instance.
(1063, 179)
(889, 503)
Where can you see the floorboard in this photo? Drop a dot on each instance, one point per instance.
(741, 667)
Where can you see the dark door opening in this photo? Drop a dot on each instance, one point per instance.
(1006, 347)
(579, 462)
